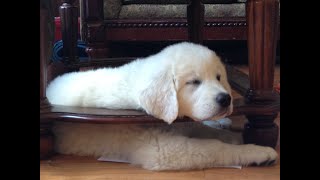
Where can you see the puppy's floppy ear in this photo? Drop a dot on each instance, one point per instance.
(159, 98)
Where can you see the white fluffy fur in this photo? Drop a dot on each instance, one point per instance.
(180, 146)
(162, 86)
(156, 84)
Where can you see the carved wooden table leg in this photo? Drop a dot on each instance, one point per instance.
(261, 130)
(46, 138)
(69, 30)
(262, 19)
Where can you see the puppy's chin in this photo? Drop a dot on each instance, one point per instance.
(211, 118)
(219, 115)
(214, 118)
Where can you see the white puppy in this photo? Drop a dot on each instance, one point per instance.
(184, 79)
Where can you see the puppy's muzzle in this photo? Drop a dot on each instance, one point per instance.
(223, 99)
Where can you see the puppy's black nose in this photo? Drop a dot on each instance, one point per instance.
(223, 99)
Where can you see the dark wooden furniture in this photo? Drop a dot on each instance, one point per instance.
(46, 137)
(100, 32)
(260, 104)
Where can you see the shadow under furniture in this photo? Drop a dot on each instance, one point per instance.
(258, 24)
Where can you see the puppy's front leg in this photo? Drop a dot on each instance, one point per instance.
(181, 153)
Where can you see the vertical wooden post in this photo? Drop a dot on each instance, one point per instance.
(263, 23)
(69, 28)
(46, 137)
(93, 28)
(195, 15)
(43, 57)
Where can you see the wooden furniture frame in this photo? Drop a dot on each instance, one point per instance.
(260, 104)
(100, 32)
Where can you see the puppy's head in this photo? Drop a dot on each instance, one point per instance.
(203, 89)
(194, 84)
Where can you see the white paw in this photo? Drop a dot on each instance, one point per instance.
(254, 155)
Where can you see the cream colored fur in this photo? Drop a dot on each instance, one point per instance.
(156, 84)
(180, 146)
(162, 85)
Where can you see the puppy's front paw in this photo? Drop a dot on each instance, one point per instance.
(259, 156)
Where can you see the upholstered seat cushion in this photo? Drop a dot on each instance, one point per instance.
(179, 11)
(128, 9)
(126, 2)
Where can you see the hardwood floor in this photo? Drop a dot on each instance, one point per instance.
(62, 167)
(78, 168)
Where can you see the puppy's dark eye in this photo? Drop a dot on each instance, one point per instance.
(194, 82)
(218, 77)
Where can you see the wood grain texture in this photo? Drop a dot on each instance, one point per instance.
(263, 21)
(74, 167)
(263, 24)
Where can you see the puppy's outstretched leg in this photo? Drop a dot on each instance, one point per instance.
(181, 153)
